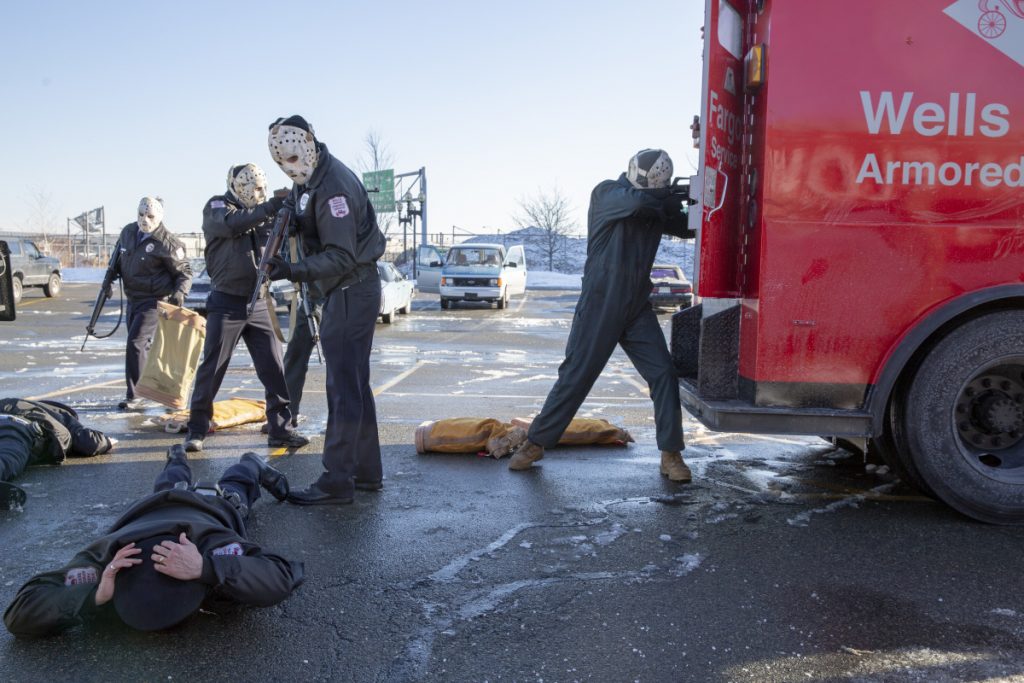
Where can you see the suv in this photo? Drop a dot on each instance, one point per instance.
(32, 269)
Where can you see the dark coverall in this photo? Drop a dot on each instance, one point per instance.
(151, 267)
(234, 237)
(341, 244)
(624, 229)
(42, 433)
(233, 567)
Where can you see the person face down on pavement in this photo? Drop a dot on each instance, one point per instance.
(236, 226)
(165, 556)
(339, 244)
(152, 267)
(625, 223)
(40, 433)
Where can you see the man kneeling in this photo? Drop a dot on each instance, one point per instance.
(165, 556)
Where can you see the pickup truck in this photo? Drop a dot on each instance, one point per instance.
(32, 269)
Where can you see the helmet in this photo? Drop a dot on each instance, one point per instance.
(650, 169)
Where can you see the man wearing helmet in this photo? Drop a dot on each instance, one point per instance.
(236, 225)
(341, 243)
(152, 266)
(625, 223)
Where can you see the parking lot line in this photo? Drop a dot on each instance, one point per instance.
(74, 389)
(395, 380)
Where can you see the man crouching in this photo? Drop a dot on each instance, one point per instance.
(169, 552)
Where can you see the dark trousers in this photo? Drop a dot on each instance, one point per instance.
(296, 358)
(226, 322)
(21, 445)
(142, 321)
(591, 343)
(351, 447)
(243, 478)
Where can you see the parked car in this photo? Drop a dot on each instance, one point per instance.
(483, 272)
(395, 292)
(281, 290)
(669, 287)
(31, 269)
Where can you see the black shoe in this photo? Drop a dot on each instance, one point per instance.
(314, 495)
(265, 429)
(130, 404)
(176, 452)
(289, 440)
(11, 496)
(194, 443)
(271, 479)
(369, 485)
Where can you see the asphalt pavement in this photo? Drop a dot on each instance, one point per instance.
(785, 560)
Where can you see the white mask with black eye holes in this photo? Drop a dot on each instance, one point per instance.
(248, 183)
(151, 214)
(650, 169)
(294, 150)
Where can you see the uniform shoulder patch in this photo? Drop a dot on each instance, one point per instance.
(179, 254)
(81, 575)
(218, 204)
(229, 549)
(339, 206)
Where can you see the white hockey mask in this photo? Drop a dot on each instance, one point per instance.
(294, 150)
(650, 169)
(248, 183)
(151, 214)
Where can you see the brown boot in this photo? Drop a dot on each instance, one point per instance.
(673, 467)
(501, 446)
(525, 456)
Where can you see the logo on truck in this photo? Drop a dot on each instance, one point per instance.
(999, 22)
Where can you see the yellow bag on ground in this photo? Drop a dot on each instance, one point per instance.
(228, 413)
(585, 431)
(173, 357)
(468, 435)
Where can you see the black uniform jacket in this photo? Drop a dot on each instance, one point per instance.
(235, 568)
(65, 435)
(152, 268)
(337, 225)
(234, 237)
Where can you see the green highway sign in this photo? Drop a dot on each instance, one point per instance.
(381, 187)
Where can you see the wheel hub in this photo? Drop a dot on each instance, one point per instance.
(990, 412)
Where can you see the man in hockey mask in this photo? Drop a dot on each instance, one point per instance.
(625, 223)
(236, 226)
(340, 244)
(152, 267)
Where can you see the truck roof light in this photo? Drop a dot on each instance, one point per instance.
(754, 63)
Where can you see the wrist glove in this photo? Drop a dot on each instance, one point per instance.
(672, 205)
(108, 290)
(276, 204)
(279, 269)
(178, 299)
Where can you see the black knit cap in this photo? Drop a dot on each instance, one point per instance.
(295, 121)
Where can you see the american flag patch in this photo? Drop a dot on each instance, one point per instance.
(229, 549)
(339, 206)
(217, 204)
(81, 575)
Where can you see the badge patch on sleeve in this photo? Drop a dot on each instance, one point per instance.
(339, 206)
(217, 204)
(229, 549)
(179, 254)
(80, 575)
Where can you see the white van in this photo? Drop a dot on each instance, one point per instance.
(483, 272)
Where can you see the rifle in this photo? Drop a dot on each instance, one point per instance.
(101, 301)
(274, 244)
(314, 326)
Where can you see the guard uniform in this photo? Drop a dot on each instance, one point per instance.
(341, 243)
(152, 267)
(234, 568)
(234, 236)
(624, 229)
(300, 347)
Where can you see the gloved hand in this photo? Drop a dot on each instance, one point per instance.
(673, 205)
(178, 299)
(276, 203)
(279, 269)
(108, 290)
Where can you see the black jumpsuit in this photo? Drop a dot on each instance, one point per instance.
(624, 229)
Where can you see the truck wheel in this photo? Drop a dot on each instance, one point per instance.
(964, 419)
(503, 301)
(52, 286)
(446, 304)
(892, 445)
(387, 316)
(17, 289)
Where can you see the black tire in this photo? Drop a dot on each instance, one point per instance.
(446, 304)
(503, 301)
(964, 419)
(387, 317)
(52, 286)
(18, 289)
(892, 446)
(404, 310)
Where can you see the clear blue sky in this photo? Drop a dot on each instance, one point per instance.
(104, 102)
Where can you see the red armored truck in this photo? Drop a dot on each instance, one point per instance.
(860, 236)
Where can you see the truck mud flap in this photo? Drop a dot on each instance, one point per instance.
(685, 340)
(706, 350)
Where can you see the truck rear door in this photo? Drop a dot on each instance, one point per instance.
(717, 255)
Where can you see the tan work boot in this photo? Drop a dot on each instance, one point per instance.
(673, 467)
(525, 456)
(501, 446)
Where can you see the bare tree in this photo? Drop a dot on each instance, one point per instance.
(377, 156)
(552, 213)
(43, 216)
